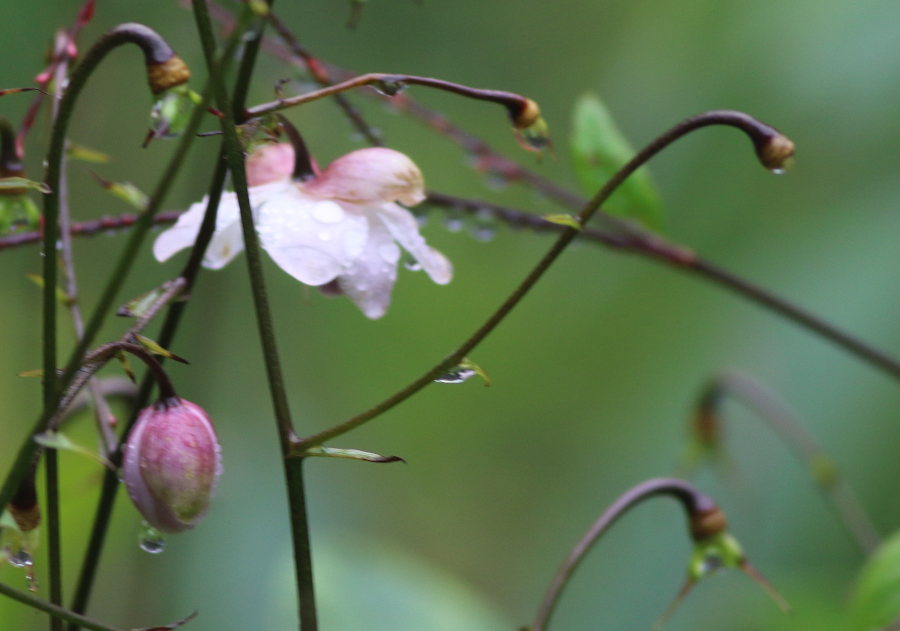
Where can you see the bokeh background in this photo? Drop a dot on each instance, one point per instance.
(595, 373)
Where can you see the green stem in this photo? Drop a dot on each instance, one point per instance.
(51, 463)
(758, 132)
(293, 469)
(695, 505)
(170, 325)
(59, 613)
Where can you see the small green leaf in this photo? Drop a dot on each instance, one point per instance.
(599, 149)
(156, 349)
(15, 183)
(468, 364)
(86, 154)
(37, 372)
(353, 454)
(125, 191)
(56, 440)
(122, 356)
(60, 294)
(563, 220)
(876, 599)
(137, 307)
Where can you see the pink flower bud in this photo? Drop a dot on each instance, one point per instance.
(172, 463)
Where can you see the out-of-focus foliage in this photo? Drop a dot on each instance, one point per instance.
(599, 149)
(876, 598)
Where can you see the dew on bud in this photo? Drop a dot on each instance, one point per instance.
(150, 539)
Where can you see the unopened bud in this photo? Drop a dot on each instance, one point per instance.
(167, 74)
(172, 463)
(776, 153)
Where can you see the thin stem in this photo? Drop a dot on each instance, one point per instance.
(758, 132)
(828, 478)
(56, 611)
(694, 503)
(293, 469)
(170, 325)
(392, 84)
(51, 464)
(88, 228)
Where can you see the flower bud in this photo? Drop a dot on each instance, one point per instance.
(172, 462)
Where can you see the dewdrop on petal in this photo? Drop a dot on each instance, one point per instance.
(172, 463)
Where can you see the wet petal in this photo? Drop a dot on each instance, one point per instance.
(368, 176)
(404, 228)
(314, 240)
(369, 280)
(270, 163)
(182, 234)
(228, 239)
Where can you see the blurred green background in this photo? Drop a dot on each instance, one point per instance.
(594, 374)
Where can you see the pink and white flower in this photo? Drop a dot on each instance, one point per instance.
(339, 230)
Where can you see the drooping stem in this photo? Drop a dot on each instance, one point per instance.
(522, 111)
(56, 611)
(825, 473)
(764, 138)
(293, 469)
(703, 518)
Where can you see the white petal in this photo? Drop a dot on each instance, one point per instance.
(404, 228)
(370, 279)
(314, 240)
(228, 240)
(182, 234)
(370, 176)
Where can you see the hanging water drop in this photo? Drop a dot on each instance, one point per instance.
(456, 375)
(389, 87)
(150, 539)
(20, 559)
(483, 233)
(454, 221)
(412, 264)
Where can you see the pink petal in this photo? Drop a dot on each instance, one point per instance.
(369, 280)
(368, 176)
(270, 163)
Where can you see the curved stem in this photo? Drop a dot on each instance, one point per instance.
(821, 467)
(694, 503)
(293, 469)
(760, 134)
(390, 84)
(57, 612)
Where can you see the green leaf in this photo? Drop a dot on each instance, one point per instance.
(125, 191)
(36, 372)
(86, 154)
(137, 307)
(56, 440)
(563, 220)
(353, 454)
(876, 599)
(599, 149)
(38, 280)
(156, 349)
(122, 356)
(16, 183)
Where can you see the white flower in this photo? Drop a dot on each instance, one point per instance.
(338, 230)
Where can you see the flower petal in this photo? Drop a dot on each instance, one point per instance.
(369, 176)
(270, 163)
(228, 239)
(182, 234)
(314, 240)
(404, 228)
(370, 279)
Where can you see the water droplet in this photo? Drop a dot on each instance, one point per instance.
(20, 559)
(712, 563)
(389, 87)
(495, 182)
(456, 375)
(779, 171)
(412, 265)
(150, 539)
(483, 233)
